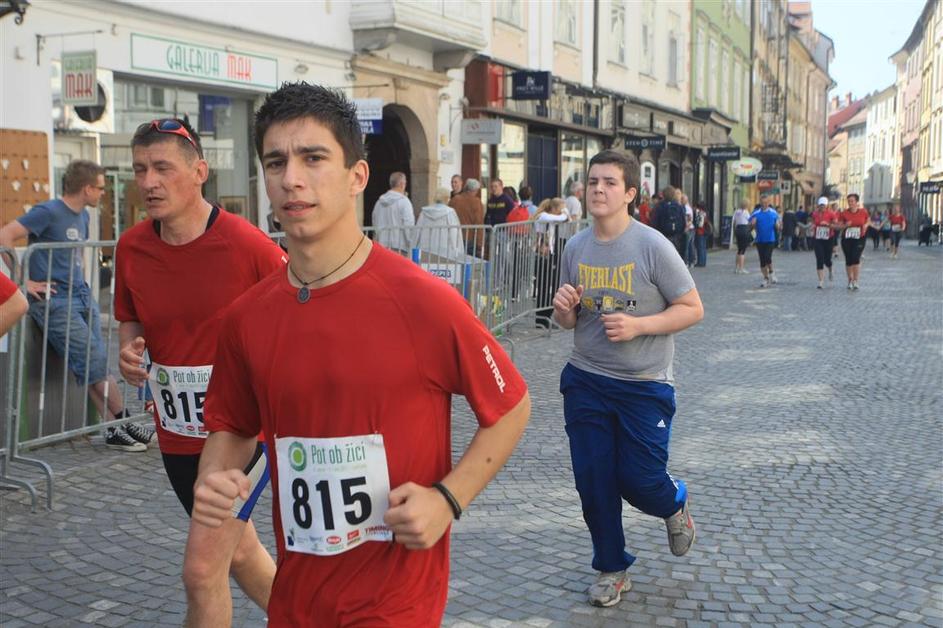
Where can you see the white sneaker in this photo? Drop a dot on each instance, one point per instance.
(772, 278)
(820, 286)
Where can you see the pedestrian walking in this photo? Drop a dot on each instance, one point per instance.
(741, 231)
(214, 258)
(802, 226)
(767, 224)
(874, 228)
(365, 491)
(823, 221)
(853, 222)
(626, 293)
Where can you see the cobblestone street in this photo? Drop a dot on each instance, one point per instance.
(809, 431)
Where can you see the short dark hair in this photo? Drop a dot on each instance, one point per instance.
(293, 101)
(857, 198)
(526, 192)
(80, 173)
(628, 162)
(146, 135)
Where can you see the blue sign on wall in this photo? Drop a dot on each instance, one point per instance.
(371, 127)
(530, 85)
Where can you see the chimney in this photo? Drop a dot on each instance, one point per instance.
(848, 96)
(834, 103)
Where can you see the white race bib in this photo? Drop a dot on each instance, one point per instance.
(179, 393)
(852, 233)
(896, 227)
(822, 233)
(333, 492)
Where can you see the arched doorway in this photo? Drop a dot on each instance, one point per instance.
(387, 153)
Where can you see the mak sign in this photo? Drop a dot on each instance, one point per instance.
(723, 153)
(79, 84)
(202, 63)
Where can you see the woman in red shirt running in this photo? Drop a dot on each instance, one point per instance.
(854, 222)
(823, 220)
(898, 226)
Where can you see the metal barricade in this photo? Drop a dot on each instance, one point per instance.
(45, 404)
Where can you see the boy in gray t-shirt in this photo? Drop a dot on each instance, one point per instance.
(626, 291)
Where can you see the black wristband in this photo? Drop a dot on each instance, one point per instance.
(453, 503)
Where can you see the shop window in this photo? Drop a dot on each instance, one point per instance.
(139, 96)
(572, 160)
(510, 163)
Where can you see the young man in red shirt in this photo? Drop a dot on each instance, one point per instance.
(175, 274)
(347, 361)
(854, 223)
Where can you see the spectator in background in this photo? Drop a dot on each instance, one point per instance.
(470, 211)
(74, 315)
(393, 215)
(670, 219)
(439, 229)
(456, 186)
(789, 229)
(689, 254)
(511, 193)
(574, 202)
(702, 228)
(644, 210)
(527, 194)
(802, 226)
(499, 204)
(550, 215)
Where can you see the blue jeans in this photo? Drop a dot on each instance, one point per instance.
(619, 433)
(701, 242)
(84, 331)
(787, 243)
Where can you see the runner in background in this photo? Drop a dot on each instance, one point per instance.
(823, 221)
(898, 227)
(854, 222)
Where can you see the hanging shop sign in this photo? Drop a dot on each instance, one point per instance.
(746, 167)
(768, 175)
(482, 131)
(203, 63)
(370, 115)
(530, 85)
(634, 141)
(786, 187)
(723, 153)
(79, 84)
(931, 187)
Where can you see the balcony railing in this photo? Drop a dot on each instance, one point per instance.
(435, 25)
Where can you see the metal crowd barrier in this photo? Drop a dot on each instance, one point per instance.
(46, 403)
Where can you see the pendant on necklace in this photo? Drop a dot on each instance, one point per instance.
(304, 294)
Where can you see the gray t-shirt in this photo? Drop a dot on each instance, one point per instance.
(639, 273)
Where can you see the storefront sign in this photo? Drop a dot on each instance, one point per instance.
(636, 118)
(203, 63)
(482, 131)
(370, 115)
(746, 167)
(768, 175)
(786, 187)
(746, 179)
(530, 85)
(79, 84)
(634, 141)
(723, 153)
(931, 187)
(764, 185)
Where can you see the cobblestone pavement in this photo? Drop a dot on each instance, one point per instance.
(809, 430)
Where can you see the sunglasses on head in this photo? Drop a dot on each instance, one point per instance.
(175, 127)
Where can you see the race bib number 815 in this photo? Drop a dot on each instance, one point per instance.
(179, 393)
(333, 492)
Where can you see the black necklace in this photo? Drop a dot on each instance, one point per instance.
(303, 293)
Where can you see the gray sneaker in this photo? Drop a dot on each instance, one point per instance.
(608, 588)
(680, 528)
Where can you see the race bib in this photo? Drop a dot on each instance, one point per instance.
(333, 492)
(852, 233)
(822, 233)
(179, 393)
(896, 228)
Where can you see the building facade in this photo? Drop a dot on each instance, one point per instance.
(880, 190)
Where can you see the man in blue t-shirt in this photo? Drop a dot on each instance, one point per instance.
(57, 283)
(766, 222)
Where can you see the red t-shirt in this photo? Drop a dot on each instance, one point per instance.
(857, 219)
(7, 288)
(824, 218)
(381, 351)
(897, 219)
(178, 294)
(643, 213)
